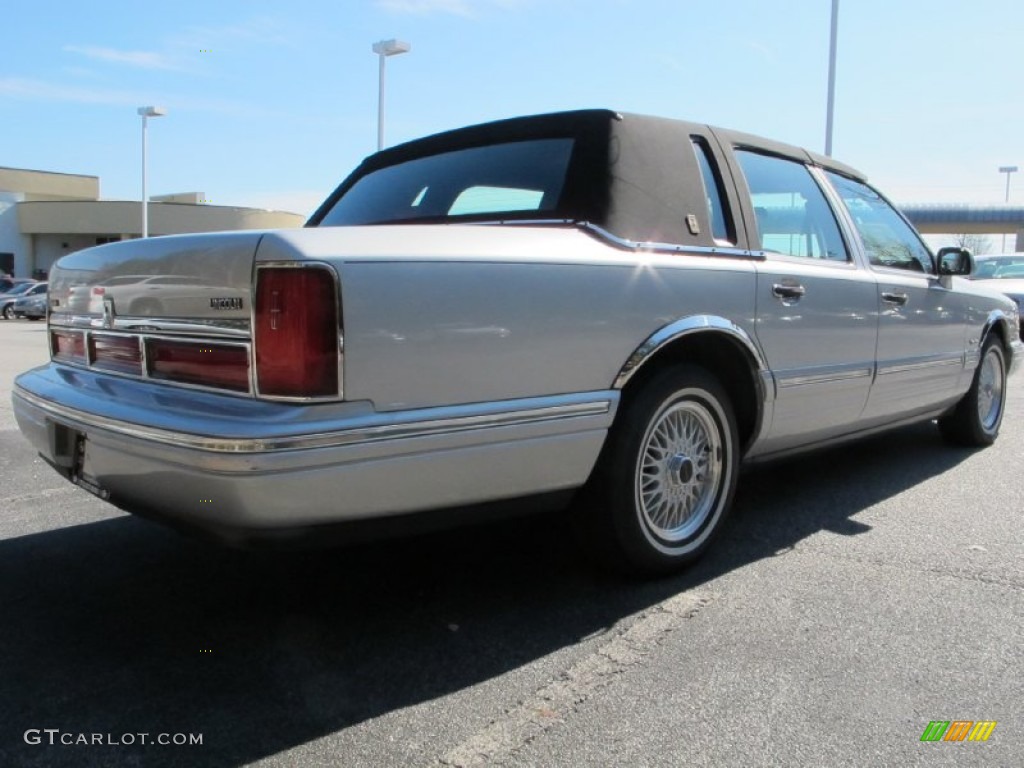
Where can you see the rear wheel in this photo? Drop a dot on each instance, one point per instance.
(976, 418)
(9, 312)
(666, 479)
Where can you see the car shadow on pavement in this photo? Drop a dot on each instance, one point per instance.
(120, 627)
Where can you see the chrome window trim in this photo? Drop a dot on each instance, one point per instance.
(340, 330)
(676, 248)
(427, 427)
(847, 226)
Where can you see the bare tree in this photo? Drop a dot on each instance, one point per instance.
(976, 244)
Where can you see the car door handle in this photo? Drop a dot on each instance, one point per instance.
(788, 290)
(894, 298)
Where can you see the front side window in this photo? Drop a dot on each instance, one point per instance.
(888, 239)
(519, 177)
(793, 216)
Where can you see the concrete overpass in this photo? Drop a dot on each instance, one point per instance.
(968, 219)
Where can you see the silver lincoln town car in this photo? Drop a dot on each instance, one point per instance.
(611, 307)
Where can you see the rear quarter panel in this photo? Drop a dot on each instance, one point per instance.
(507, 312)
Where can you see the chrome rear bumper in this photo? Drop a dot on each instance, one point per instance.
(220, 462)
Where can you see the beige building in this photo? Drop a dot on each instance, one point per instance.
(45, 215)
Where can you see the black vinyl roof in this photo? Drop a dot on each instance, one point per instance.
(636, 176)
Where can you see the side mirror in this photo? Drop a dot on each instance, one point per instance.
(955, 261)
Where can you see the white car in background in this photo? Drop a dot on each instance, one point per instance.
(165, 295)
(1003, 272)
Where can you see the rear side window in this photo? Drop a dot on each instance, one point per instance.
(508, 178)
(793, 216)
(718, 208)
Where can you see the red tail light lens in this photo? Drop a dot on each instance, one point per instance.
(296, 334)
(210, 365)
(116, 353)
(68, 345)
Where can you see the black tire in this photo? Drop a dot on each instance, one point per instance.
(9, 312)
(665, 481)
(975, 420)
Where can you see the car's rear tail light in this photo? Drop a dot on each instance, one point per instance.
(297, 332)
(211, 365)
(68, 346)
(122, 354)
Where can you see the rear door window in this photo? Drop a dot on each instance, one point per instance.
(793, 216)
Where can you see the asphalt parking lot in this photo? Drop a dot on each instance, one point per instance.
(857, 595)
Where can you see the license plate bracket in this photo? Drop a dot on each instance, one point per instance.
(70, 454)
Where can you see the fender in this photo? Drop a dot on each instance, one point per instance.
(764, 384)
(1014, 348)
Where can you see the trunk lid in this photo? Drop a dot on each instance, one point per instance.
(163, 283)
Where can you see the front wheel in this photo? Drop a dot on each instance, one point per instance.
(976, 418)
(665, 481)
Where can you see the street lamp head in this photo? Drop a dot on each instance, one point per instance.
(391, 47)
(1008, 169)
(151, 111)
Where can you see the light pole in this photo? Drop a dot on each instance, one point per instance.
(383, 49)
(831, 77)
(1007, 169)
(145, 113)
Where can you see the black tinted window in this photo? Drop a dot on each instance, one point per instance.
(500, 178)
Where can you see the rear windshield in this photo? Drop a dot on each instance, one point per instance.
(516, 179)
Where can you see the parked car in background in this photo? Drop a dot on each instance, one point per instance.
(20, 289)
(176, 295)
(998, 265)
(8, 283)
(31, 306)
(610, 307)
(1003, 273)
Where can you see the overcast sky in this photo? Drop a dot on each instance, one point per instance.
(270, 104)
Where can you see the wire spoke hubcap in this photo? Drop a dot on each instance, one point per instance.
(679, 470)
(990, 390)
